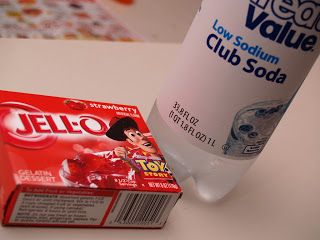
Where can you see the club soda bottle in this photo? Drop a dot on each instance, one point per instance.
(240, 65)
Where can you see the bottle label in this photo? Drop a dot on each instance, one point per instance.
(238, 72)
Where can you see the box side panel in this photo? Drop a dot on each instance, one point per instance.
(137, 209)
(56, 207)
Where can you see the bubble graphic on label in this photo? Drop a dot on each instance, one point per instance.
(252, 127)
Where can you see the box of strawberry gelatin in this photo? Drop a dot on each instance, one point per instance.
(78, 163)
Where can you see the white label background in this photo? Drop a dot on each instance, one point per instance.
(213, 90)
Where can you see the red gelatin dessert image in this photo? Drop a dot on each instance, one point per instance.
(75, 104)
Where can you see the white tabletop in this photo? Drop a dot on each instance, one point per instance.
(279, 198)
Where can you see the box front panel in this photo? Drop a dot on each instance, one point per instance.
(53, 141)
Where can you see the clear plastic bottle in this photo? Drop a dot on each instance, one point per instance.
(240, 66)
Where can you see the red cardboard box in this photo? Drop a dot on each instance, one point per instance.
(67, 162)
